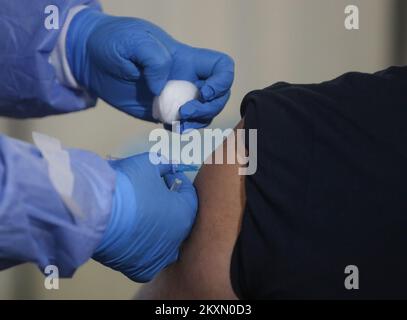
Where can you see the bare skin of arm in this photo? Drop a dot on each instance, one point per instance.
(203, 271)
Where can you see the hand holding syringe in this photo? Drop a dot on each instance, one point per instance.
(153, 201)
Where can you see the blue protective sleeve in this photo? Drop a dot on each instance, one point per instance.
(35, 225)
(28, 82)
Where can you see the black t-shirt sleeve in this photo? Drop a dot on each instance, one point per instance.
(329, 191)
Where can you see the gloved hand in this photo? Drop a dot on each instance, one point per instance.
(148, 221)
(127, 61)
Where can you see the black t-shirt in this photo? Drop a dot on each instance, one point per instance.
(330, 190)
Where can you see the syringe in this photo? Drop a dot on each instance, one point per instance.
(179, 167)
(176, 185)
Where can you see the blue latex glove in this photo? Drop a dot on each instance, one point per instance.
(148, 222)
(127, 61)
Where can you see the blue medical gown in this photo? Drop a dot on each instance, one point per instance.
(28, 82)
(35, 224)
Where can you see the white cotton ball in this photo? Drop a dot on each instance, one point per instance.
(175, 94)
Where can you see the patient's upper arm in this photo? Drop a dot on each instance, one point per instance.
(203, 271)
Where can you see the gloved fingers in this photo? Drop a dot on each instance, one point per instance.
(154, 58)
(159, 164)
(125, 69)
(218, 71)
(145, 162)
(199, 84)
(196, 110)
